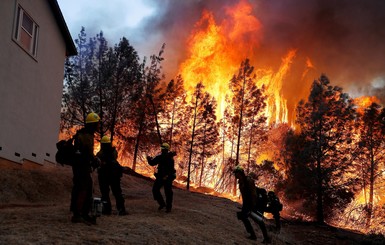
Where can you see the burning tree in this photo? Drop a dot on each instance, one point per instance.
(174, 119)
(119, 72)
(148, 106)
(326, 122)
(174, 116)
(248, 106)
(204, 132)
(371, 153)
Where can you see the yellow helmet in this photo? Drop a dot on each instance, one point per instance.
(92, 118)
(238, 169)
(105, 139)
(165, 146)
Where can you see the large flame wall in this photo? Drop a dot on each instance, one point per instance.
(290, 43)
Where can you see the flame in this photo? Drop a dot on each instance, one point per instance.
(216, 51)
(276, 103)
(365, 101)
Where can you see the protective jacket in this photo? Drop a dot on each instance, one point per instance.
(249, 201)
(248, 192)
(84, 150)
(81, 196)
(109, 163)
(165, 162)
(109, 176)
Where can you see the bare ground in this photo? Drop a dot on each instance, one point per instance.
(34, 209)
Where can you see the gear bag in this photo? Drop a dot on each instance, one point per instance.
(65, 152)
(261, 199)
(273, 202)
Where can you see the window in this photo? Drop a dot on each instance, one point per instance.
(26, 31)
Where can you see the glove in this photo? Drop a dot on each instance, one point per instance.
(95, 163)
(240, 215)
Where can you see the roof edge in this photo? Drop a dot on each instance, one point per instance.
(70, 45)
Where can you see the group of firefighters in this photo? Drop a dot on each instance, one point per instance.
(110, 173)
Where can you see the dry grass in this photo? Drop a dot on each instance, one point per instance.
(34, 209)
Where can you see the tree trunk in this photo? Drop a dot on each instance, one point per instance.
(137, 141)
(203, 158)
(191, 145)
(172, 123)
(239, 132)
(156, 119)
(320, 213)
(371, 191)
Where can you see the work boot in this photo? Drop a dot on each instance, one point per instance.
(90, 219)
(266, 240)
(106, 210)
(252, 237)
(79, 219)
(122, 212)
(162, 206)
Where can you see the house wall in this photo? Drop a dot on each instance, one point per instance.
(30, 88)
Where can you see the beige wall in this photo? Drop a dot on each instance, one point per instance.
(30, 88)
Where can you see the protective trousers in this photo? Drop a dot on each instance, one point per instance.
(249, 227)
(167, 183)
(109, 180)
(81, 195)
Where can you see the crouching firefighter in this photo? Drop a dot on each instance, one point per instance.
(165, 175)
(110, 173)
(249, 205)
(84, 163)
(274, 206)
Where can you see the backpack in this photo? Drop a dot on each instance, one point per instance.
(65, 152)
(261, 198)
(274, 202)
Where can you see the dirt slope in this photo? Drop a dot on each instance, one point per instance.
(34, 209)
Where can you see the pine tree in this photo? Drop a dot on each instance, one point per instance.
(148, 106)
(174, 119)
(326, 122)
(79, 89)
(371, 152)
(204, 132)
(248, 106)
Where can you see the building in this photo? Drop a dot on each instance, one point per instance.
(34, 43)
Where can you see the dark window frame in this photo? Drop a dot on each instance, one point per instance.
(26, 31)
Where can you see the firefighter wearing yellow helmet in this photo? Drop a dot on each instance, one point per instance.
(109, 176)
(164, 175)
(105, 140)
(249, 205)
(84, 163)
(92, 118)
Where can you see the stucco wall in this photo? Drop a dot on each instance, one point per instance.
(30, 88)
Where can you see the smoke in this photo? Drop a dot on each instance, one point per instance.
(343, 39)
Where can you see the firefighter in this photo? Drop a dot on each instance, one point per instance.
(249, 205)
(164, 175)
(110, 173)
(274, 206)
(84, 163)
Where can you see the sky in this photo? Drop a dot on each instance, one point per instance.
(116, 19)
(344, 38)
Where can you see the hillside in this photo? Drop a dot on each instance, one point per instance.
(34, 209)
